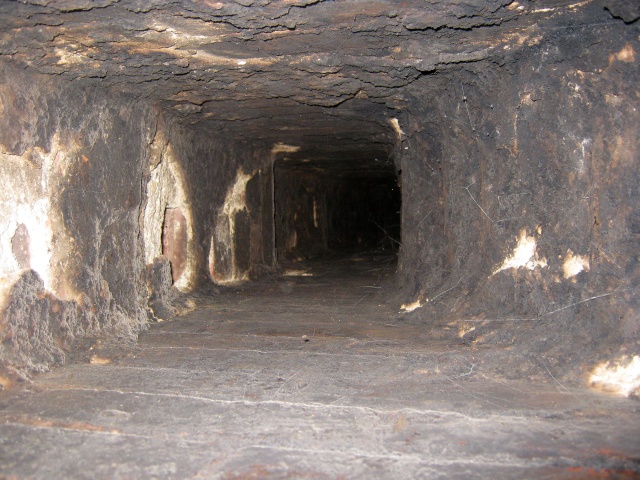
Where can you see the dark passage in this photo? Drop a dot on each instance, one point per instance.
(329, 208)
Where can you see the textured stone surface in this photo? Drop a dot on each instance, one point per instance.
(310, 378)
(159, 282)
(66, 179)
(510, 126)
(254, 70)
(29, 317)
(551, 151)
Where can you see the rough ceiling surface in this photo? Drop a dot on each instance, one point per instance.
(284, 70)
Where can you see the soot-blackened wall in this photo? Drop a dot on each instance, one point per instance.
(520, 201)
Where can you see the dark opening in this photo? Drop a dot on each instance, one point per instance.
(325, 208)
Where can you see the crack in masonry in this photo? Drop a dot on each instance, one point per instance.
(317, 406)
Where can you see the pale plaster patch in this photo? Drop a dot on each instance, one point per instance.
(211, 59)
(69, 57)
(396, 127)
(235, 201)
(98, 360)
(553, 9)
(297, 273)
(626, 55)
(464, 329)
(24, 200)
(527, 36)
(315, 213)
(543, 10)
(578, 4)
(526, 99)
(621, 376)
(410, 307)
(186, 38)
(574, 264)
(36, 218)
(523, 256)
(284, 148)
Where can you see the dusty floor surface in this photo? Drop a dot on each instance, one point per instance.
(308, 377)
